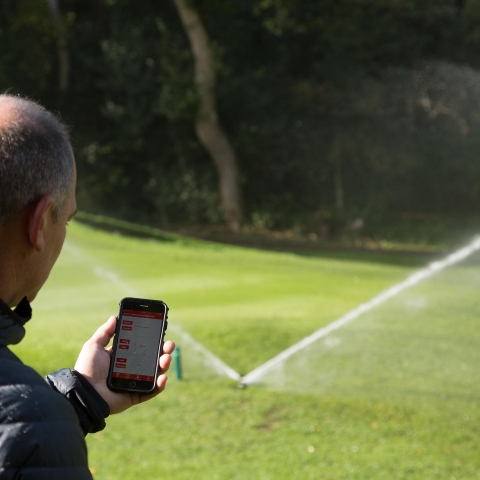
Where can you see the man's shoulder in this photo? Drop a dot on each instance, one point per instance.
(13, 371)
(25, 396)
(38, 427)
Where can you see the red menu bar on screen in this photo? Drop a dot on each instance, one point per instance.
(138, 313)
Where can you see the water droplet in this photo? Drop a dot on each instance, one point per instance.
(355, 449)
(466, 417)
(311, 449)
(344, 449)
(351, 469)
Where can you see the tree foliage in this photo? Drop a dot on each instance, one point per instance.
(373, 100)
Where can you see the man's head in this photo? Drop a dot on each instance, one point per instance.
(35, 157)
(37, 195)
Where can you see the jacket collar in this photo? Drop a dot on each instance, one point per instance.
(12, 322)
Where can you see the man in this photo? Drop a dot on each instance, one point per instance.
(42, 424)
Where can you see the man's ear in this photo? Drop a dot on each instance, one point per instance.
(37, 222)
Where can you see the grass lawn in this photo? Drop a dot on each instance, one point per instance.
(393, 395)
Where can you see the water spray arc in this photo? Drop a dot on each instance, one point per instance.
(411, 281)
(252, 377)
(218, 365)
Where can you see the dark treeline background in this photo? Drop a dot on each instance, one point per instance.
(336, 109)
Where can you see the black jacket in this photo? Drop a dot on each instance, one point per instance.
(42, 423)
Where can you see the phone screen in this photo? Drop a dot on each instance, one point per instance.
(139, 336)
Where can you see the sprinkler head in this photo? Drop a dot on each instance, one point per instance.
(241, 385)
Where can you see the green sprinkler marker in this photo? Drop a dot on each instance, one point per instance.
(177, 363)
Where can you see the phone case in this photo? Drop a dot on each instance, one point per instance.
(134, 387)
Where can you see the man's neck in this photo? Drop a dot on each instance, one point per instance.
(8, 283)
(12, 322)
(10, 260)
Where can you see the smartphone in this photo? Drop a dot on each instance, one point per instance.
(137, 345)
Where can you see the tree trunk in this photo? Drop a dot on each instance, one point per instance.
(62, 47)
(335, 156)
(207, 125)
(339, 202)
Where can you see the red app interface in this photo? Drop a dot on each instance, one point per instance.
(136, 356)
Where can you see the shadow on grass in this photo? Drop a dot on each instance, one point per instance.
(408, 258)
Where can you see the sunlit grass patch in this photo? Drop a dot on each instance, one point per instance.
(394, 395)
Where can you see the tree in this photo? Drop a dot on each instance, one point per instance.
(207, 125)
(62, 47)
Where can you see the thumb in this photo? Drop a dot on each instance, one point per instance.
(105, 332)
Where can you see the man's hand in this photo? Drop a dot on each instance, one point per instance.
(94, 361)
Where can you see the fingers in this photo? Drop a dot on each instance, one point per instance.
(165, 358)
(164, 362)
(105, 332)
(161, 383)
(168, 347)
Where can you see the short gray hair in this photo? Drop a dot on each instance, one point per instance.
(35, 157)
